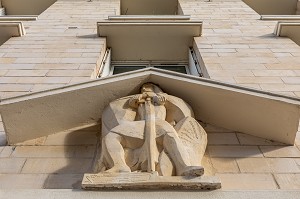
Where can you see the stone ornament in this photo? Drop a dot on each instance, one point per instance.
(149, 137)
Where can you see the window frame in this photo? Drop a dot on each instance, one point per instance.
(192, 66)
(147, 64)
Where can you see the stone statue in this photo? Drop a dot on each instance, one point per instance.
(151, 132)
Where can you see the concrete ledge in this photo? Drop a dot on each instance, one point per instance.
(149, 17)
(78, 194)
(136, 181)
(149, 40)
(289, 29)
(18, 18)
(17, 28)
(10, 29)
(280, 17)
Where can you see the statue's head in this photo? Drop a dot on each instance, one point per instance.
(150, 87)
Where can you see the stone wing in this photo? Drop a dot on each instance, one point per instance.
(194, 138)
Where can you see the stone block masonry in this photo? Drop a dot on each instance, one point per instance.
(62, 47)
(237, 47)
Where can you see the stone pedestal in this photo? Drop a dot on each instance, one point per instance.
(148, 181)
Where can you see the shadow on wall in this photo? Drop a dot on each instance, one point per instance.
(26, 7)
(3, 141)
(273, 7)
(292, 32)
(79, 151)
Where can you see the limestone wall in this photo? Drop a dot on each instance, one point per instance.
(62, 48)
(239, 48)
(241, 161)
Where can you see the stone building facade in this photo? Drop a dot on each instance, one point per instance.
(62, 48)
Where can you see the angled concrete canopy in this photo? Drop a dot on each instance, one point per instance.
(144, 40)
(280, 17)
(148, 7)
(289, 29)
(19, 18)
(273, 7)
(10, 29)
(149, 17)
(250, 111)
(26, 7)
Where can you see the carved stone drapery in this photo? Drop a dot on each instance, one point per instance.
(147, 138)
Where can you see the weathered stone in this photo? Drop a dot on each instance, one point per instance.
(22, 181)
(247, 181)
(222, 139)
(57, 165)
(11, 165)
(148, 181)
(225, 165)
(280, 151)
(151, 132)
(234, 151)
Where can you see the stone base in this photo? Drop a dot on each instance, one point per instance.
(125, 181)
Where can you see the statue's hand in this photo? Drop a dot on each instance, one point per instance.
(136, 100)
(159, 99)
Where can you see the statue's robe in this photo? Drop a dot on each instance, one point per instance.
(118, 117)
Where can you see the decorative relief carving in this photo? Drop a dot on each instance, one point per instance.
(151, 135)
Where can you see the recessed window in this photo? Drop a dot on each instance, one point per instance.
(158, 44)
(175, 68)
(117, 69)
(109, 67)
(127, 68)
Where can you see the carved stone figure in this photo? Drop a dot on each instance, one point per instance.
(151, 131)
